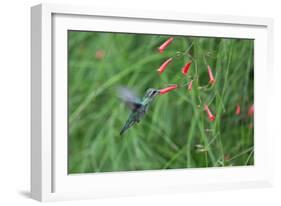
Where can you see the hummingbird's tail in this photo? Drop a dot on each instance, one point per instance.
(122, 131)
(126, 126)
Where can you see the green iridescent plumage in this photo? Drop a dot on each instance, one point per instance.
(138, 106)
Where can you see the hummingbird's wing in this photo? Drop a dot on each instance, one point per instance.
(128, 96)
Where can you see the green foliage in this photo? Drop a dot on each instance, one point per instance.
(176, 132)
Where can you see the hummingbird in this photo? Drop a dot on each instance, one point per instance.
(138, 106)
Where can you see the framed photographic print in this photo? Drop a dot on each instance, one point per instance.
(135, 102)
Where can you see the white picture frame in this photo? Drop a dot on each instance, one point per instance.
(49, 178)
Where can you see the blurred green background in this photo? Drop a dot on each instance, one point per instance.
(176, 132)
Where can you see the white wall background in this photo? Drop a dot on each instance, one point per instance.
(15, 103)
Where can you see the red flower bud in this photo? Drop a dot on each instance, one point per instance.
(210, 115)
(190, 85)
(212, 79)
(164, 65)
(185, 69)
(251, 110)
(238, 110)
(100, 54)
(168, 89)
(165, 44)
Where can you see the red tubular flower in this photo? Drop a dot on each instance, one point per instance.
(168, 89)
(211, 76)
(190, 85)
(210, 115)
(164, 65)
(238, 110)
(185, 69)
(165, 44)
(251, 110)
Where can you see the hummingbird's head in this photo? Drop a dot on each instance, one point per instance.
(151, 93)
